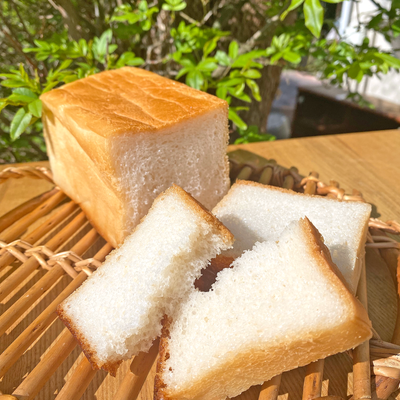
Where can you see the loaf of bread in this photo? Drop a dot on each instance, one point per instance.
(119, 138)
(282, 305)
(255, 213)
(117, 311)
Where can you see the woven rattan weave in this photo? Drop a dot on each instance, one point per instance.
(32, 233)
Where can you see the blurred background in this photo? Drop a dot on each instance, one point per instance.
(288, 68)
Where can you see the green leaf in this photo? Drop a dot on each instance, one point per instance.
(293, 5)
(50, 86)
(231, 82)
(207, 65)
(292, 57)
(222, 58)
(240, 96)
(375, 21)
(232, 115)
(335, 1)
(238, 90)
(255, 90)
(3, 103)
(35, 108)
(209, 46)
(65, 64)
(233, 49)
(25, 92)
(182, 72)
(186, 63)
(12, 83)
(390, 60)
(135, 61)
(22, 95)
(355, 72)
(19, 123)
(222, 92)
(252, 74)
(314, 16)
(105, 38)
(195, 79)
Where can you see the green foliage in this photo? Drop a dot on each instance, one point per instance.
(386, 21)
(252, 134)
(313, 13)
(75, 60)
(139, 20)
(192, 42)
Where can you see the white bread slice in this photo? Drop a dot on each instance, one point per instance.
(119, 138)
(117, 311)
(282, 305)
(255, 213)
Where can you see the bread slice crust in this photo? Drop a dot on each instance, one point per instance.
(87, 349)
(254, 358)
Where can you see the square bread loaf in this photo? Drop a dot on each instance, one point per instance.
(117, 311)
(282, 305)
(255, 213)
(119, 138)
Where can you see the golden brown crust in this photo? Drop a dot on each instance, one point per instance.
(89, 352)
(126, 101)
(163, 355)
(253, 361)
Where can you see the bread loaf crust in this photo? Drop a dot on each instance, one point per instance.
(105, 104)
(96, 128)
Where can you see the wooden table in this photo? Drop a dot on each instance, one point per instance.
(369, 162)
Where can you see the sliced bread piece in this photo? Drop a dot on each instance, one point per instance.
(255, 212)
(282, 305)
(117, 312)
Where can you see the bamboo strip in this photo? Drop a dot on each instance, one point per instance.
(133, 381)
(361, 359)
(78, 381)
(49, 363)
(44, 284)
(385, 386)
(40, 231)
(20, 226)
(270, 389)
(313, 380)
(26, 172)
(266, 176)
(9, 284)
(14, 215)
(315, 371)
(35, 292)
(37, 327)
(288, 182)
(245, 173)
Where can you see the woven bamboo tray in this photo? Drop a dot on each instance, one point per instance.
(48, 249)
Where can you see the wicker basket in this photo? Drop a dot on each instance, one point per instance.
(48, 249)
